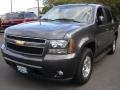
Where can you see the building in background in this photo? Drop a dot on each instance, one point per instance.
(35, 10)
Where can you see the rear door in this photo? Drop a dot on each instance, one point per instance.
(110, 25)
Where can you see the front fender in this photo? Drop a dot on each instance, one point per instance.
(83, 42)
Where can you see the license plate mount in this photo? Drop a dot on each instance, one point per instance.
(22, 69)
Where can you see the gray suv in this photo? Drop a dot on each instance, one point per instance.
(63, 44)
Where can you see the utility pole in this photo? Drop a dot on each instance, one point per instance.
(11, 5)
(38, 6)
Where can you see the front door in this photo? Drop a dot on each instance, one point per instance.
(101, 31)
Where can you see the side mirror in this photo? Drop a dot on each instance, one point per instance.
(100, 20)
(40, 16)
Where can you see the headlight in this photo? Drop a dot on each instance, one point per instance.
(61, 46)
(58, 46)
(58, 43)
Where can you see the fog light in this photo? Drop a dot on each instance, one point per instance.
(60, 73)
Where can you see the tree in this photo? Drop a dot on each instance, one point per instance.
(106, 2)
(45, 9)
(114, 4)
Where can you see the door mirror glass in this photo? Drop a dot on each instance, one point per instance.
(100, 20)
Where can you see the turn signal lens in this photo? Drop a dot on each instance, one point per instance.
(70, 46)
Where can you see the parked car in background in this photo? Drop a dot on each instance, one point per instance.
(0, 21)
(14, 18)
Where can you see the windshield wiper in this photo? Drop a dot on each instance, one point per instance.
(67, 19)
(47, 19)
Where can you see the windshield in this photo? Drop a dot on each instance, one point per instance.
(77, 13)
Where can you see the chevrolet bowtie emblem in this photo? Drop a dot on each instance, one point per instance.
(18, 42)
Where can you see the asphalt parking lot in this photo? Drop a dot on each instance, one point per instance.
(105, 76)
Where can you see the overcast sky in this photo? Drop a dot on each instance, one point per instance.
(18, 5)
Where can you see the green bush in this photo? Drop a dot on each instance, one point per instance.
(116, 11)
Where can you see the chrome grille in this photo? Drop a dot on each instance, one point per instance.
(28, 39)
(31, 46)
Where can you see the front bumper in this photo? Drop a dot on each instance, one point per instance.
(47, 66)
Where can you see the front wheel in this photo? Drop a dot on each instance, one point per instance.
(84, 67)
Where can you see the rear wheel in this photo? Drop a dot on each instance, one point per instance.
(84, 67)
(113, 47)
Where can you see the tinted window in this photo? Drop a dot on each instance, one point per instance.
(13, 16)
(17, 16)
(108, 15)
(20, 15)
(30, 15)
(7, 16)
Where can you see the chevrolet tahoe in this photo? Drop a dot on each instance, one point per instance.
(64, 43)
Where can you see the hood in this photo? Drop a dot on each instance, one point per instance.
(47, 30)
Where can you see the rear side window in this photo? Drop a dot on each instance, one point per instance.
(7, 16)
(30, 15)
(108, 15)
(16, 16)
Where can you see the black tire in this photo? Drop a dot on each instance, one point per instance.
(79, 77)
(113, 48)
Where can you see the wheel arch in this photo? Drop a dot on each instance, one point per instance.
(89, 44)
(116, 35)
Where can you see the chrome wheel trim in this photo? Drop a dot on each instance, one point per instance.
(114, 46)
(86, 67)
